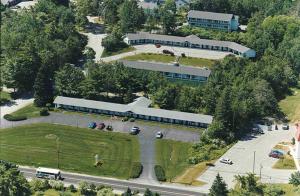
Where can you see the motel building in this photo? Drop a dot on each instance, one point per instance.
(174, 71)
(191, 41)
(212, 20)
(138, 109)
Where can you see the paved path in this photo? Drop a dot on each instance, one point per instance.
(95, 42)
(242, 155)
(116, 184)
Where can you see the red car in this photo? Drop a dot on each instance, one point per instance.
(275, 155)
(101, 126)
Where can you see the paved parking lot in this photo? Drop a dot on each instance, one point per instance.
(242, 155)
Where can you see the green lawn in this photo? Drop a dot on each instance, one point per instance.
(52, 192)
(4, 97)
(172, 156)
(30, 111)
(36, 145)
(291, 105)
(123, 50)
(197, 62)
(286, 163)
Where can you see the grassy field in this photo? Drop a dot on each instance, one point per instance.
(172, 156)
(107, 53)
(291, 105)
(197, 62)
(286, 163)
(37, 145)
(30, 111)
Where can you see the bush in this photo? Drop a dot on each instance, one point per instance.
(295, 179)
(39, 185)
(136, 170)
(131, 120)
(72, 188)
(160, 173)
(125, 119)
(44, 112)
(10, 117)
(57, 185)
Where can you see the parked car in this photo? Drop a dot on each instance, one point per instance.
(92, 125)
(159, 135)
(157, 45)
(168, 52)
(101, 126)
(134, 130)
(226, 161)
(276, 154)
(285, 126)
(109, 128)
(257, 130)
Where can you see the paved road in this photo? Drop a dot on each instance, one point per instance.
(242, 155)
(165, 190)
(146, 136)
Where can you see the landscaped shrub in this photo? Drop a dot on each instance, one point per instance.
(160, 173)
(10, 117)
(44, 112)
(125, 119)
(136, 170)
(131, 120)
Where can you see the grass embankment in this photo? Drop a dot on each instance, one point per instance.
(30, 111)
(36, 145)
(120, 51)
(197, 62)
(4, 97)
(287, 162)
(52, 192)
(291, 105)
(172, 156)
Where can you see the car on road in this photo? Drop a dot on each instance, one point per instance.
(226, 161)
(134, 130)
(100, 126)
(276, 154)
(159, 135)
(92, 125)
(285, 126)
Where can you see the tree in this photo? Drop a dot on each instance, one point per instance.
(219, 187)
(295, 179)
(248, 184)
(43, 92)
(165, 96)
(12, 182)
(168, 19)
(150, 193)
(128, 192)
(131, 16)
(67, 80)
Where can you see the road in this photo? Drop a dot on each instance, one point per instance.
(164, 190)
(242, 155)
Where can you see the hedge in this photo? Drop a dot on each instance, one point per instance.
(160, 173)
(44, 112)
(10, 117)
(136, 170)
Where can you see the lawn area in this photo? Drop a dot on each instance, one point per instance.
(172, 156)
(291, 105)
(4, 97)
(123, 50)
(36, 145)
(52, 192)
(30, 111)
(286, 163)
(197, 62)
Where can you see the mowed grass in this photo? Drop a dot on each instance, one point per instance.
(4, 97)
(291, 105)
(36, 145)
(30, 111)
(197, 62)
(123, 50)
(286, 163)
(172, 156)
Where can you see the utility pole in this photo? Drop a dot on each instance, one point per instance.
(260, 168)
(253, 162)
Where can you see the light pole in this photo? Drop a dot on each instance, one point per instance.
(253, 162)
(260, 168)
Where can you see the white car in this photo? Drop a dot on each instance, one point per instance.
(226, 161)
(159, 135)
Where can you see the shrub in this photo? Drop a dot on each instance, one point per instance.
(183, 55)
(44, 112)
(10, 117)
(39, 185)
(57, 185)
(295, 179)
(160, 173)
(131, 120)
(136, 170)
(72, 188)
(125, 119)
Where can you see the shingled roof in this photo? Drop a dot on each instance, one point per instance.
(210, 15)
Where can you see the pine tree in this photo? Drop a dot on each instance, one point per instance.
(219, 187)
(43, 92)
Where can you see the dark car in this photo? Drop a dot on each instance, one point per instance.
(92, 125)
(134, 130)
(157, 45)
(285, 126)
(100, 126)
(257, 130)
(109, 128)
(276, 154)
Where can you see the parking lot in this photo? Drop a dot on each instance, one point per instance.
(190, 52)
(242, 155)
